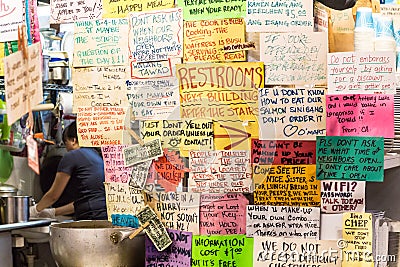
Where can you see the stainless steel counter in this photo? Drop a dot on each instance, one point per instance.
(22, 225)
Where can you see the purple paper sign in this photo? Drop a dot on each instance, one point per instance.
(178, 254)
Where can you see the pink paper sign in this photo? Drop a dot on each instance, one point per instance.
(360, 115)
(114, 168)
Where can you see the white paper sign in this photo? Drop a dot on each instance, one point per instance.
(11, 15)
(69, 11)
(342, 196)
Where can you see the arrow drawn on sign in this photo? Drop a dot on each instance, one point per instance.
(245, 135)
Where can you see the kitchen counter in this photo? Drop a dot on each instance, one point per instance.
(23, 225)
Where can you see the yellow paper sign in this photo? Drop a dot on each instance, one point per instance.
(121, 8)
(234, 135)
(197, 135)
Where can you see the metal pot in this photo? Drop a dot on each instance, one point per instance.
(87, 243)
(8, 190)
(14, 209)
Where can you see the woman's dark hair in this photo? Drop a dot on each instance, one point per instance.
(70, 131)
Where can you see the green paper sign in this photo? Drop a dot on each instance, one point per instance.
(229, 251)
(350, 158)
(212, 9)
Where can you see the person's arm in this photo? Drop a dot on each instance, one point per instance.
(54, 193)
(66, 209)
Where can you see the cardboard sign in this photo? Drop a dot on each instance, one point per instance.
(216, 34)
(155, 35)
(22, 81)
(100, 42)
(179, 211)
(11, 15)
(156, 230)
(227, 250)
(279, 152)
(295, 252)
(220, 171)
(342, 196)
(178, 254)
(99, 86)
(294, 58)
(197, 135)
(357, 240)
(294, 222)
(139, 174)
(362, 72)
(291, 113)
(114, 169)
(69, 11)
(288, 16)
(286, 185)
(99, 126)
(223, 214)
(121, 8)
(350, 158)
(136, 153)
(360, 115)
(202, 9)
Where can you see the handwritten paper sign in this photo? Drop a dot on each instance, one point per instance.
(100, 42)
(114, 169)
(286, 185)
(294, 222)
(295, 252)
(169, 131)
(154, 99)
(155, 35)
(122, 199)
(224, 92)
(220, 171)
(139, 174)
(350, 158)
(121, 8)
(342, 196)
(156, 230)
(11, 15)
(22, 81)
(207, 9)
(360, 115)
(235, 135)
(69, 11)
(279, 152)
(197, 135)
(357, 239)
(155, 69)
(362, 72)
(293, 113)
(179, 211)
(33, 156)
(288, 16)
(136, 153)
(178, 254)
(205, 39)
(99, 126)
(223, 214)
(99, 86)
(227, 250)
(294, 58)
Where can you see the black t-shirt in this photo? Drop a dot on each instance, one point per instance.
(86, 167)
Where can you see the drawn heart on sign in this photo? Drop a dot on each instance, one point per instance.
(290, 130)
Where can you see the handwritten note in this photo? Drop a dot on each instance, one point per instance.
(289, 16)
(22, 81)
(155, 69)
(360, 115)
(224, 91)
(220, 171)
(114, 168)
(223, 250)
(100, 42)
(177, 254)
(169, 131)
(197, 135)
(282, 152)
(292, 113)
(294, 222)
(270, 251)
(286, 185)
(205, 39)
(155, 35)
(136, 153)
(99, 126)
(69, 11)
(350, 158)
(342, 196)
(357, 240)
(11, 15)
(223, 214)
(139, 174)
(362, 72)
(99, 86)
(179, 211)
(120, 8)
(154, 99)
(208, 9)
(294, 58)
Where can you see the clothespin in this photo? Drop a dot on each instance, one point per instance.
(135, 136)
(140, 229)
(22, 41)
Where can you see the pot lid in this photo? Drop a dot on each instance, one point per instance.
(6, 188)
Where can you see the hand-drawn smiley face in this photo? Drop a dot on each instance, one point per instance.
(290, 130)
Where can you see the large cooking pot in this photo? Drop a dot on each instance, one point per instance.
(14, 209)
(87, 243)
